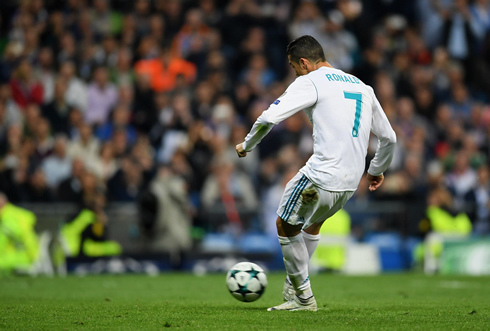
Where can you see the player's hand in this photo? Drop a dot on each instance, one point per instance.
(240, 151)
(375, 181)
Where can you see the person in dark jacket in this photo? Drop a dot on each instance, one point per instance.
(85, 235)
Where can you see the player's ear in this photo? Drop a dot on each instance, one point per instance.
(302, 63)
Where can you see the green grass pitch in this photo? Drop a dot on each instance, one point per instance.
(135, 302)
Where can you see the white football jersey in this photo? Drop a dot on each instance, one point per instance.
(343, 110)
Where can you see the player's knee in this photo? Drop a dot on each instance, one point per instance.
(284, 229)
(279, 222)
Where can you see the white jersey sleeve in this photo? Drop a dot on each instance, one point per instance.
(299, 95)
(381, 127)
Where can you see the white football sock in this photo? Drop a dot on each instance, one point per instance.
(296, 262)
(311, 242)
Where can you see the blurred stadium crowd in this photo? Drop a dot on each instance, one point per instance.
(118, 99)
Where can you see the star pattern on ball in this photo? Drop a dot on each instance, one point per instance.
(233, 273)
(243, 290)
(253, 273)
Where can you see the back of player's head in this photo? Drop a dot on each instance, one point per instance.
(305, 47)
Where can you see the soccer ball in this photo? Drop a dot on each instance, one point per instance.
(246, 281)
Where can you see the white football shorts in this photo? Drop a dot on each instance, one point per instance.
(304, 203)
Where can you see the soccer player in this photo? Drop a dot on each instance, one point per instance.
(343, 111)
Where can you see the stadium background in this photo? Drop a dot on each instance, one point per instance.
(132, 109)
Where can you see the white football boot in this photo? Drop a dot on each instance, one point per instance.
(288, 290)
(296, 304)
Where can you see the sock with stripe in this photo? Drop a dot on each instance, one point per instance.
(311, 242)
(296, 262)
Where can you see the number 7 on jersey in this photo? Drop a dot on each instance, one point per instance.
(358, 98)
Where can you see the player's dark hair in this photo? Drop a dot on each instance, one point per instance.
(305, 47)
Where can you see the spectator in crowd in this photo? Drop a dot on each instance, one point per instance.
(86, 146)
(19, 244)
(120, 120)
(32, 116)
(7, 119)
(107, 54)
(174, 16)
(459, 35)
(46, 74)
(37, 187)
(229, 188)
(204, 98)
(86, 234)
(460, 101)
(142, 14)
(258, 75)
(144, 107)
(169, 229)
(442, 218)
(102, 97)
(122, 73)
(13, 179)
(163, 71)
(479, 196)
(193, 37)
(58, 110)
(253, 43)
(105, 165)
(120, 143)
(44, 141)
(103, 20)
(57, 166)
(75, 122)
(126, 184)
(25, 87)
(340, 45)
(13, 114)
(176, 125)
(462, 178)
(68, 49)
(157, 29)
(91, 188)
(76, 89)
(70, 189)
(307, 20)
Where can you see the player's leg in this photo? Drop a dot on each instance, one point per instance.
(334, 202)
(292, 214)
(311, 242)
(311, 236)
(296, 261)
(311, 231)
(295, 254)
(314, 214)
(287, 210)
